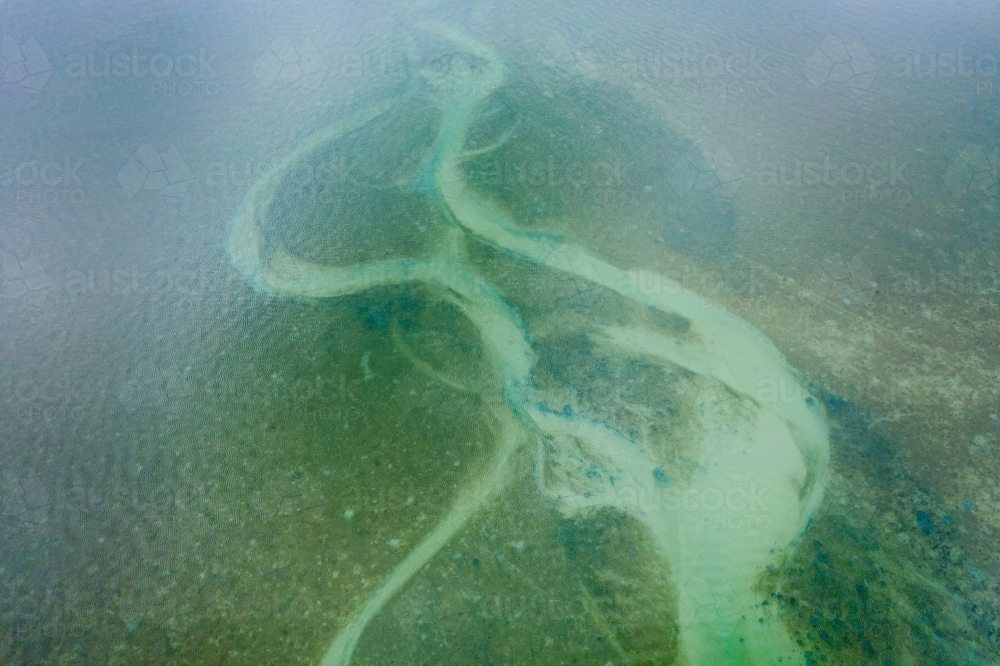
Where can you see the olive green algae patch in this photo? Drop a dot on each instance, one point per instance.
(586, 461)
(586, 161)
(525, 585)
(314, 453)
(856, 599)
(626, 588)
(881, 575)
(356, 200)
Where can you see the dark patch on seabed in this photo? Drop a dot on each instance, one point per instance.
(880, 576)
(565, 160)
(607, 550)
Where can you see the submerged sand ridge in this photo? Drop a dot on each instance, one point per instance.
(736, 439)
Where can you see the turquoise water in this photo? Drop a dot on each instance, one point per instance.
(471, 333)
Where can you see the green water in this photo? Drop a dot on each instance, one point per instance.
(731, 439)
(494, 357)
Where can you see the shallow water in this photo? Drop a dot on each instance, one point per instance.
(473, 333)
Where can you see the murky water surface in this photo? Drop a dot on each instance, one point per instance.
(485, 333)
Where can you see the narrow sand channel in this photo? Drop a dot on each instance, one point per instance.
(740, 438)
